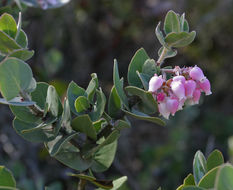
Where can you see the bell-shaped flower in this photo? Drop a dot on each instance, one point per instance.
(190, 86)
(196, 97)
(196, 74)
(179, 78)
(163, 110)
(181, 104)
(205, 86)
(178, 89)
(172, 105)
(155, 83)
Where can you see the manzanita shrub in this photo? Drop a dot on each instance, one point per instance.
(81, 131)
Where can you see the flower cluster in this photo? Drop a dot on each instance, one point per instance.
(184, 87)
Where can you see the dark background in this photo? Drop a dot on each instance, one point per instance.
(84, 37)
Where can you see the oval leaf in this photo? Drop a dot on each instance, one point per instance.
(199, 166)
(181, 39)
(142, 116)
(83, 124)
(81, 104)
(8, 25)
(12, 81)
(215, 159)
(6, 178)
(136, 64)
(171, 23)
(119, 85)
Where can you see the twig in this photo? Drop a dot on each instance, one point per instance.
(82, 184)
(162, 56)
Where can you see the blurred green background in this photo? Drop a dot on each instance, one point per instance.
(84, 37)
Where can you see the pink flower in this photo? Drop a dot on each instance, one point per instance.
(189, 86)
(205, 86)
(179, 78)
(155, 83)
(160, 97)
(178, 89)
(172, 105)
(163, 110)
(196, 74)
(196, 97)
(181, 104)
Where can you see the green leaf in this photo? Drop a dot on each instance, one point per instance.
(106, 184)
(182, 19)
(98, 108)
(119, 85)
(48, 123)
(110, 139)
(22, 54)
(40, 93)
(199, 166)
(144, 79)
(181, 39)
(117, 183)
(149, 67)
(83, 124)
(121, 124)
(32, 86)
(81, 104)
(93, 85)
(8, 25)
(224, 178)
(73, 92)
(55, 145)
(66, 117)
(6, 178)
(171, 23)
(7, 44)
(136, 64)
(15, 76)
(22, 39)
(100, 124)
(139, 115)
(104, 157)
(41, 135)
(53, 102)
(24, 114)
(170, 53)
(71, 157)
(114, 103)
(189, 180)
(148, 103)
(159, 35)
(192, 188)
(18, 101)
(103, 142)
(186, 26)
(208, 180)
(215, 159)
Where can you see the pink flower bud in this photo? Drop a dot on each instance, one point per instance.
(172, 105)
(160, 97)
(189, 86)
(196, 73)
(155, 83)
(178, 89)
(163, 110)
(205, 86)
(179, 78)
